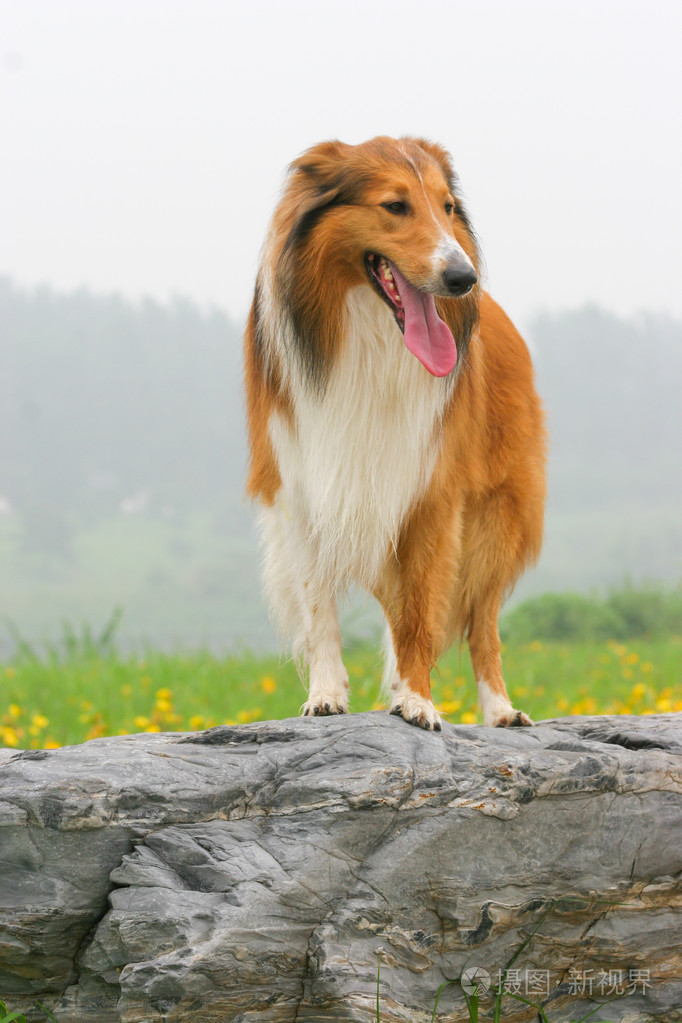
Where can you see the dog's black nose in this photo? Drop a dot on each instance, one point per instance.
(459, 279)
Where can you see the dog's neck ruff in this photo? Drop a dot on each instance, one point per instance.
(360, 453)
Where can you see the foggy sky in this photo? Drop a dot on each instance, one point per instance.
(143, 142)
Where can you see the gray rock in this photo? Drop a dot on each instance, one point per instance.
(262, 872)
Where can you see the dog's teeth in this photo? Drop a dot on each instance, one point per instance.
(391, 285)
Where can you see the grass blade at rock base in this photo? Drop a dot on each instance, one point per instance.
(543, 1017)
(446, 983)
(45, 1009)
(510, 962)
(472, 1005)
(378, 970)
(533, 1005)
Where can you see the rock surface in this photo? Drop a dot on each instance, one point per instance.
(258, 873)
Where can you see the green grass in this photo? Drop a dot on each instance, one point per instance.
(18, 1017)
(87, 689)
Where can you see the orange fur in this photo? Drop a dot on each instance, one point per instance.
(465, 540)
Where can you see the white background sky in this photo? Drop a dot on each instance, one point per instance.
(143, 142)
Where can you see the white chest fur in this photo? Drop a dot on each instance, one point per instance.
(361, 454)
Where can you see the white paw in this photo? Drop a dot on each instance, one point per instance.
(416, 710)
(325, 700)
(512, 719)
(498, 711)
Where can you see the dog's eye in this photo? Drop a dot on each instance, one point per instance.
(395, 207)
(449, 207)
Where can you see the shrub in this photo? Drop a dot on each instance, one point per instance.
(623, 614)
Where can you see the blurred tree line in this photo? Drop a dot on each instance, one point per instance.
(107, 404)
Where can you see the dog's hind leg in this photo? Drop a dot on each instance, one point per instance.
(304, 610)
(486, 658)
(413, 591)
(499, 542)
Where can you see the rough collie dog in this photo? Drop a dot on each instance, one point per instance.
(396, 439)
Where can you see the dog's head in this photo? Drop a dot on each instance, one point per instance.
(384, 214)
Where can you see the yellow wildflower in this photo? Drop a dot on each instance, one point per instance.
(535, 646)
(164, 706)
(97, 731)
(627, 672)
(52, 744)
(469, 717)
(245, 716)
(647, 667)
(449, 706)
(40, 721)
(126, 690)
(141, 722)
(9, 736)
(164, 694)
(10, 672)
(632, 658)
(196, 722)
(152, 728)
(268, 684)
(14, 710)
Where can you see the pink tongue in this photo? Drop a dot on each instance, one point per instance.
(426, 335)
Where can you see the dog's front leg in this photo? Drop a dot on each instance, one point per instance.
(328, 693)
(304, 607)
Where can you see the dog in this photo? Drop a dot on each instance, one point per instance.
(396, 439)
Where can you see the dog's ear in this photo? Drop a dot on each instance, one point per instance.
(319, 179)
(321, 163)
